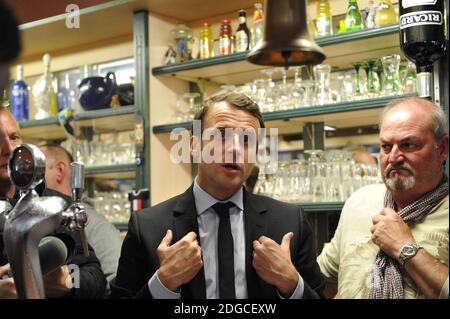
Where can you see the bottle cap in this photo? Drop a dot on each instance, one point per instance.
(225, 21)
(206, 24)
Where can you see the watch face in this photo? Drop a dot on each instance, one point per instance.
(409, 250)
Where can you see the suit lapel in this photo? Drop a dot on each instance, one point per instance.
(185, 221)
(255, 226)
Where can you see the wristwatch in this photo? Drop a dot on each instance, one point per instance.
(408, 252)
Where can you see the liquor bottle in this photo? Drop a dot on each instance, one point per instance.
(19, 97)
(385, 13)
(353, 20)
(258, 25)
(422, 38)
(206, 41)
(242, 36)
(225, 40)
(65, 97)
(324, 25)
(44, 95)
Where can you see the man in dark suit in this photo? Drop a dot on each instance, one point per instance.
(216, 240)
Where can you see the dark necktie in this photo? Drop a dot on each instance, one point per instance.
(225, 251)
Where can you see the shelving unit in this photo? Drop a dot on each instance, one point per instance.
(321, 207)
(108, 31)
(118, 171)
(104, 120)
(234, 69)
(339, 115)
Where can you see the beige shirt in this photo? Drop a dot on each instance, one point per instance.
(349, 258)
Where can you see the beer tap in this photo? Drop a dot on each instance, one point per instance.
(31, 219)
(34, 217)
(75, 217)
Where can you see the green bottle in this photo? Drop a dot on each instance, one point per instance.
(353, 21)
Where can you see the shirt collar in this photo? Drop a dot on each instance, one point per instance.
(203, 200)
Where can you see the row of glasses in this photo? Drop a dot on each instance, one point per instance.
(114, 205)
(303, 91)
(330, 178)
(106, 150)
(382, 77)
(312, 86)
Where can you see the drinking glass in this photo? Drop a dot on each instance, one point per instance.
(324, 94)
(409, 81)
(284, 100)
(358, 89)
(316, 175)
(298, 89)
(391, 65)
(270, 94)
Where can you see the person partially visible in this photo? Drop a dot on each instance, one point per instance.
(10, 45)
(92, 279)
(392, 240)
(101, 234)
(11, 137)
(362, 156)
(217, 240)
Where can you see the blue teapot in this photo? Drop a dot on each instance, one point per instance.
(96, 91)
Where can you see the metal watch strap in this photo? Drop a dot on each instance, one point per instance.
(404, 258)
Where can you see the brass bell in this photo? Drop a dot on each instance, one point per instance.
(286, 39)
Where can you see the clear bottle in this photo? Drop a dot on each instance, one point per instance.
(206, 41)
(225, 40)
(66, 96)
(44, 95)
(369, 15)
(19, 97)
(258, 25)
(385, 13)
(242, 36)
(353, 20)
(324, 25)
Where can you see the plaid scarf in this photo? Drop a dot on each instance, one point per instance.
(386, 281)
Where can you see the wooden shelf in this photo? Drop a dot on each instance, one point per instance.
(105, 120)
(99, 23)
(119, 171)
(111, 21)
(234, 68)
(339, 115)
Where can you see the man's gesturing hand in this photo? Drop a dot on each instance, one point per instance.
(273, 263)
(180, 262)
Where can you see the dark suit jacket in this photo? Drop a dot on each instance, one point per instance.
(262, 215)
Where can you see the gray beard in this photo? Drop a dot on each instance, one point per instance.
(398, 184)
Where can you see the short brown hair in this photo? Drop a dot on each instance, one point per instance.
(238, 100)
